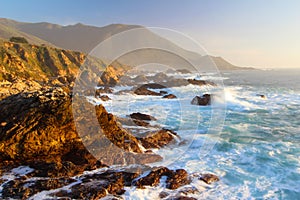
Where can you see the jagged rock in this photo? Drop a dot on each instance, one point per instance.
(175, 179)
(15, 86)
(104, 97)
(113, 74)
(202, 101)
(145, 91)
(23, 189)
(48, 133)
(162, 92)
(209, 178)
(114, 133)
(99, 91)
(158, 139)
(141, 116)
(153, 86)
(200, 82)
(153, 178)
(169, 96)
(163, 194)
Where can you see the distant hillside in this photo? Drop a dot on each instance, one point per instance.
(9, 28)
(84, 38)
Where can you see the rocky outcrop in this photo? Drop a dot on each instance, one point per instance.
(39, 126)
(112, 74)
(15, 86)
(145, 91)
(104, 97)
(175, 178)
(142, 116)
(202, 100)
(169, 96)
(100, 184)
(39, 63)
(158, 139)
(200, 82)
(209, 178)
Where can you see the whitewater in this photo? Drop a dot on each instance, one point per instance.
(257, 152)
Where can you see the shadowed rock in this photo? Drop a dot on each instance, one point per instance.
(169, 96)
(209, 178)
(158, 139)
(203, 100)
(141, 116)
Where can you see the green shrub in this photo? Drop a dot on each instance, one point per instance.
(18, 40)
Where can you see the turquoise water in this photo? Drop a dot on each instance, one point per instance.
(257, 152)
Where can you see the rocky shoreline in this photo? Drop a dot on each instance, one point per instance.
(37, 130)
(41, 152)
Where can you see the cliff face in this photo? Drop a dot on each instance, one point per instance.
(38, 63)
(27, 67)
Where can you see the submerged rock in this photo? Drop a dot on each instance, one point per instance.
(202, 100)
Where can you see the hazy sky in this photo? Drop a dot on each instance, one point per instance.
(259, 33)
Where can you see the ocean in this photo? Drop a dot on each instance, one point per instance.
(256, 148)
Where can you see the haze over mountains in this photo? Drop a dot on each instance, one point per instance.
(84, 38)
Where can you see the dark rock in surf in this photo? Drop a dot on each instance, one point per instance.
(209, 178)
(145, 91)
(169, 96)
(104, 98)
(203, 100)
(153, 86)
(141, 116)
(200, 82)
(158, 139)
(175, 178)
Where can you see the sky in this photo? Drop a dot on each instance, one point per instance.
(254, 33)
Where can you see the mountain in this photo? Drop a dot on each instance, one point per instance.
(84, 38)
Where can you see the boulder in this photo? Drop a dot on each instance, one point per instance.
(153, 86)
(202, 100)
(158, 139)
(104, 98)
(141, 116)
(145, 91)
(169, 96)
(101, 90)
(175, 178)
(209, 178)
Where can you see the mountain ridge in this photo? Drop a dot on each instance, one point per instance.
(84, 38)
